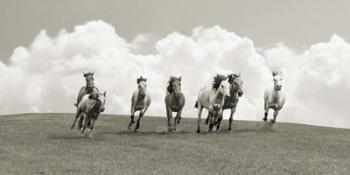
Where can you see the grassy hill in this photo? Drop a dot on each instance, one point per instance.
(45, 144)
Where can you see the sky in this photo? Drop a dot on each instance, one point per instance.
(45, 47)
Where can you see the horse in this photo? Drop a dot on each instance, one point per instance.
(213, 100)
(88, 110)
(231, 101)
(174, 101)
(140, 101)
(274, 98)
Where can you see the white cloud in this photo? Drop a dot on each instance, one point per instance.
(46, 76)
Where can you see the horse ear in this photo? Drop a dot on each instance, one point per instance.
(104, 94)
(180, 78)
(273, 73)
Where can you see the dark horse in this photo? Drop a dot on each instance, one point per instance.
(174, 101)
(232, 100)
(88, 110)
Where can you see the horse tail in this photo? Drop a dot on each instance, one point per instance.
(196, 105)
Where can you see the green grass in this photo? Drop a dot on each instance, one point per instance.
(45, 144)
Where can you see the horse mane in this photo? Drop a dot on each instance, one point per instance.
(141, 79)
(170, 88)
(217, 81)
(232, 77)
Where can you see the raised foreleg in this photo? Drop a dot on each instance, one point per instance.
(142, 113)
(77, 115)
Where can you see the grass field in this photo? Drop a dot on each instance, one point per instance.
(44, 144)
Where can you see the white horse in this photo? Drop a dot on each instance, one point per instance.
(140, 101)
(275, 97)
(213, 100)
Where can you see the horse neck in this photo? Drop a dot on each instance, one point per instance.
(219, 95)
(139, 96)
(233, 92)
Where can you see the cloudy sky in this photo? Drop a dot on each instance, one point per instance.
(46, 45)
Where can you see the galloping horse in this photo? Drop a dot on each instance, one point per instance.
(274, 98)
(88, 110)
(174, 101)
(232, 100)
(140, 101)
(213, 100)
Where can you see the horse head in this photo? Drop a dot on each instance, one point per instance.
(89, 78)
(175, 85)
(236, 84)
(221, 85)
(102, 101)
(142, 85)
(277, 80)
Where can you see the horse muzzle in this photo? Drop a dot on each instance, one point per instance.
(240, 94)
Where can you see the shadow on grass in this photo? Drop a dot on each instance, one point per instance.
(143, 133)
(68, 137)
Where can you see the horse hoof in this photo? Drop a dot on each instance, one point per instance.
(72, 127)
(265, 119)
(198, 131)
(132, 121)
(273, 121)
(136, 131)
(129, 127)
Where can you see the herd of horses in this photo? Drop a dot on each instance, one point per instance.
(223, 94)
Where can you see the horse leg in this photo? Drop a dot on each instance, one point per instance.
(178, 116)
(170, 116)
(211, 122)
(275, 113)
(92, 127)
(83, 123)
(200, 108)
(207, 120)
(230, 120)
(175, 121)
(76, 118)
(142, 112)
(131, 119)
(219, 121)
(266, 111)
